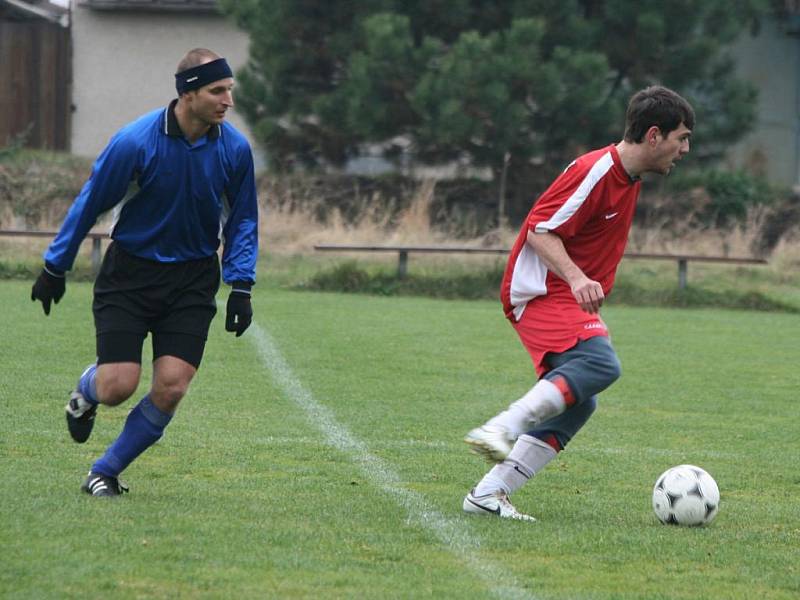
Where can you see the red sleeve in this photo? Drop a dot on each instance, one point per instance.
(566, 205)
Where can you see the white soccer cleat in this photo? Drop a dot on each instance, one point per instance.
(492, 442)
(496, 503)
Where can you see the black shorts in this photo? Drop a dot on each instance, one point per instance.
(174, 301)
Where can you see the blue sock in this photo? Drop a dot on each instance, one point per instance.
(143, 428)
(87, 385)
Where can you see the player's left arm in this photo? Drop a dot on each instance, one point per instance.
(240, 252)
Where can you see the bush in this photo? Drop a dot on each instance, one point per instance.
(349, 277)
(37, 187)
(629, 293)
(463, 208)
(485, 285)
(717, 199)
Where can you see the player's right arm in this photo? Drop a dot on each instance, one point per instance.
(107, 185)
(559, 214)
(550, 249)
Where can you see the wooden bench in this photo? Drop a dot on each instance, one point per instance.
(684, 259)
(95, 237)
(403, 252)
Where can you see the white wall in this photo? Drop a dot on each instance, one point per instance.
(124, 65)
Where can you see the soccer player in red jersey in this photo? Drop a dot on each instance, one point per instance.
(560, 270)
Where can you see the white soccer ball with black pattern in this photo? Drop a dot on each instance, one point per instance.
(686, 495)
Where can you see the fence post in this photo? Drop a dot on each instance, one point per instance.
(682, 273)
(402, 264)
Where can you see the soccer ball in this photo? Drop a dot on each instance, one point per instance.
(685, 495)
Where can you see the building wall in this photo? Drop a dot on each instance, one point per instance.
(123, 66)
(124, 62)
(771, 61)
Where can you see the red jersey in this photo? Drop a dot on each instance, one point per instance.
(590, 207)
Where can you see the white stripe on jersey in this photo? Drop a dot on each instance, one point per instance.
(574, 202)
(527, 280)
(116, 211)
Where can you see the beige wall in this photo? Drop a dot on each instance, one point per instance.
(124, 62)
(771, 61)
(123, 66)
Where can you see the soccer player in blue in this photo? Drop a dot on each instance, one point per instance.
(181, 182)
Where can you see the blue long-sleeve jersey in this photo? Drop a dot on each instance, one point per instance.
(172, 201)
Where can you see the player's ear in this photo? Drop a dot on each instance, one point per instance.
(652, 135)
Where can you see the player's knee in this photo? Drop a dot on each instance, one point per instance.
(117, 391)
(607, 367)
(115, 384)
(613, 368)
(168, 394)
(589, 406)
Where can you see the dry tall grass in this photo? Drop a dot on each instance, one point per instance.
(685, 238)
(785, 259)
(287, 228)
(294, 219)
(295, 228)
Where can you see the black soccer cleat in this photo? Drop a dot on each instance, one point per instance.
(100, 485)
(80, 417)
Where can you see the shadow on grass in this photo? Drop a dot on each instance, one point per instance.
(483, 284)
(31, 271)
(628, 293)
(348, 277)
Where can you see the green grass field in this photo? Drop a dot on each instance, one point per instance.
(320, 456)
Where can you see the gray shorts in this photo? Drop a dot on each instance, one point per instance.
(589, 367)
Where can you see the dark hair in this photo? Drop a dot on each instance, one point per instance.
(659, 106)
(195, 57)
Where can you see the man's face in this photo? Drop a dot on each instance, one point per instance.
(666, 151)
(210, 103)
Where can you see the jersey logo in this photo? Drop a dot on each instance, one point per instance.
(611, 215)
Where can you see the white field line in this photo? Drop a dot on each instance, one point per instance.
(286, 440)
(451, 532)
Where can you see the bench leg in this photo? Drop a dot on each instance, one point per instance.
(402, 264)
(682, 273)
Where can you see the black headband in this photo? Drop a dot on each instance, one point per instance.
(197, 77)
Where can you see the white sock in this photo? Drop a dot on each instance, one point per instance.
(542, 402)
(490, 484)
(528, 456)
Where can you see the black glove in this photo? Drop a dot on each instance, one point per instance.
(239, 311)
(49, 286)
